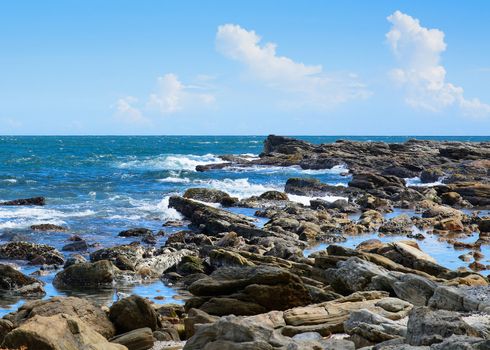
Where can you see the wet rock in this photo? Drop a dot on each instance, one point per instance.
(58, 332)
(210, 195)
(314, 187)
(484, 225)
(191, 264)
(48, 227)
(80, 246)
(138, 339)
(132, 313)
(16, 283)
(34, 253)
(431, 175)
(86, 275)
(451, 198)
(74, 259)
(26, 201)
(89, 313)
(274, 196)
(136, 232)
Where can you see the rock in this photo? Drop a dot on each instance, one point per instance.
(48, 227)
(74, 259)
(367, 328)
(5, 327)
(450, 224)
(474, 192)
(456, 299)
(58, 332)
(484, 225)
(16, 283)
(431, 175)
(138, 339)
(76, 246)
(460, 342)
(210, 195)
(274, 196)
(34, 253)
(190, 264)
(426, 327)
(136, 232)
(255, 289)
(86, 275)
(369, 181)
(196, 317)
(451, 198)
(132, 313)
(26, 201)
(313, 187)
(89, 313)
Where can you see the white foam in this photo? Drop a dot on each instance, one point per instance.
(305, 200)
(11, 181)
(240, 188)
(161, 209)
(416, 182)
(20, 217)
(336, 170)
(174, 179)
(170, 162)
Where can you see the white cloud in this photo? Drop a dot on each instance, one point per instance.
(418, 51)
(307, 84)
(126, 112)
(172, 95)
(11, 123)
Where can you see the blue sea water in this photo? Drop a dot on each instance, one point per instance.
(98, 186)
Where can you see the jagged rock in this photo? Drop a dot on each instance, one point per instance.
(86, 275)
(38, 253)
(210, 195)
(89, 313)
(16, 283)
(57, 332)
(132, 313)
(138, 339)
(136, 232)
(26, 201)
(48, 227)
(426, 327)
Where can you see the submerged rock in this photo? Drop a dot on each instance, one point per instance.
(26, 201)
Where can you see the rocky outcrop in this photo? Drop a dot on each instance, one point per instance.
(36, 254)
(26, 201)
(89, 313)
(86, 275)
(58, 332)
(210, 195)
(16, 283)
(248, 291)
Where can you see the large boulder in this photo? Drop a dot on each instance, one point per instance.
(58, 332)
(89, 313)
(248, 290)
(34, 253)
(16, 283)
(86, 275)
(132, 313)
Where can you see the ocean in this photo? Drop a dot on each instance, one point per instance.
(98, 186)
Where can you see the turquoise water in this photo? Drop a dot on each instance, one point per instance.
(99, 185)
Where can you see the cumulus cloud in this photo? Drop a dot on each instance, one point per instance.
(307, 84)
(170, 96)
(418, 51)
(126, 112)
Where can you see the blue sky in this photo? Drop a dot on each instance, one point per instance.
(245, 67)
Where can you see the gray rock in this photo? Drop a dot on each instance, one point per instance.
(132, 313)
(138, 339)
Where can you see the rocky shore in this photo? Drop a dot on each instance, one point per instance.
(249, 286)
